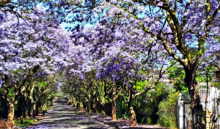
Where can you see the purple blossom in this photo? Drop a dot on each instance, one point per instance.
(202, 72)
(160, 4)
(214, 80)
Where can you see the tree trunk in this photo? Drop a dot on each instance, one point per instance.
(89, 110)
(114, 110)
(103, 104)
(129, 100)
(37, 109)
(10, 119)
(73, 100)
(133, 117)
(103, 113)
(94, 107)
(81, 106)
(28, 111)
(23, 108)
(67, 101)
(32, 100)
(27, 114)
(114, 96)
(198, 115)
(131, 110)
(34, 109)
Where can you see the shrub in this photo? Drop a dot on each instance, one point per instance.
(168, 111)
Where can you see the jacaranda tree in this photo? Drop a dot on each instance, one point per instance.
(117, 57)
(28, 44)
(179, 26)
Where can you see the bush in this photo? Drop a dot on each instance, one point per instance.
(168, 111)
(148, 104)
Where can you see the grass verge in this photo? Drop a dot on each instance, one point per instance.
(26, 122)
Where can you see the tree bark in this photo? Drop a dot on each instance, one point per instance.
(28, 110)
(23, 108)
(32, 100)
(103, 113)
(10, 119)
(198, 115)
(114, 118)
(133, 117)
(94, 107)
(37, 109)
(103, 104)
(87, 106)
(114, 96)
(89, 110)
(34, 109)
(67, 101)
(81, 106)
(130, 100)
(73, 100)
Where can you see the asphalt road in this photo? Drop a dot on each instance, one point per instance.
(62, 116)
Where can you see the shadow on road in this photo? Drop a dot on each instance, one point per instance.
(62, 116)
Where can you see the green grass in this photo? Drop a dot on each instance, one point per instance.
(26, 122)
(48, 108)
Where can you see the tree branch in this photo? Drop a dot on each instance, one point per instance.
(140, 93)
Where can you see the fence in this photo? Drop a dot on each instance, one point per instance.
(184, 112)
(212, 107)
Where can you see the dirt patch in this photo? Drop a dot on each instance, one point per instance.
(2, 123)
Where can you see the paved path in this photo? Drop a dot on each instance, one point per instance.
(62, 116)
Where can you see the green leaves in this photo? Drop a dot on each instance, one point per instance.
(146, 30)
(43, 84)
(136, 17)
(140, 85)
(140, 24)
(168, 111)
(200, 52)
(11, 94)
(177, 75)
(27, 11)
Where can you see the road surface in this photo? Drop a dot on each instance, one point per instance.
(62, 116)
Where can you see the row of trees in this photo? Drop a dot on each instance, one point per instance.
(130, 43)
(112, 65)
(133, 35)
(27, 101)
(115, 98)
(31, 49)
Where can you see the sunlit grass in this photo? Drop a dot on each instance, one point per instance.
(26, 122)
(48, 108)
